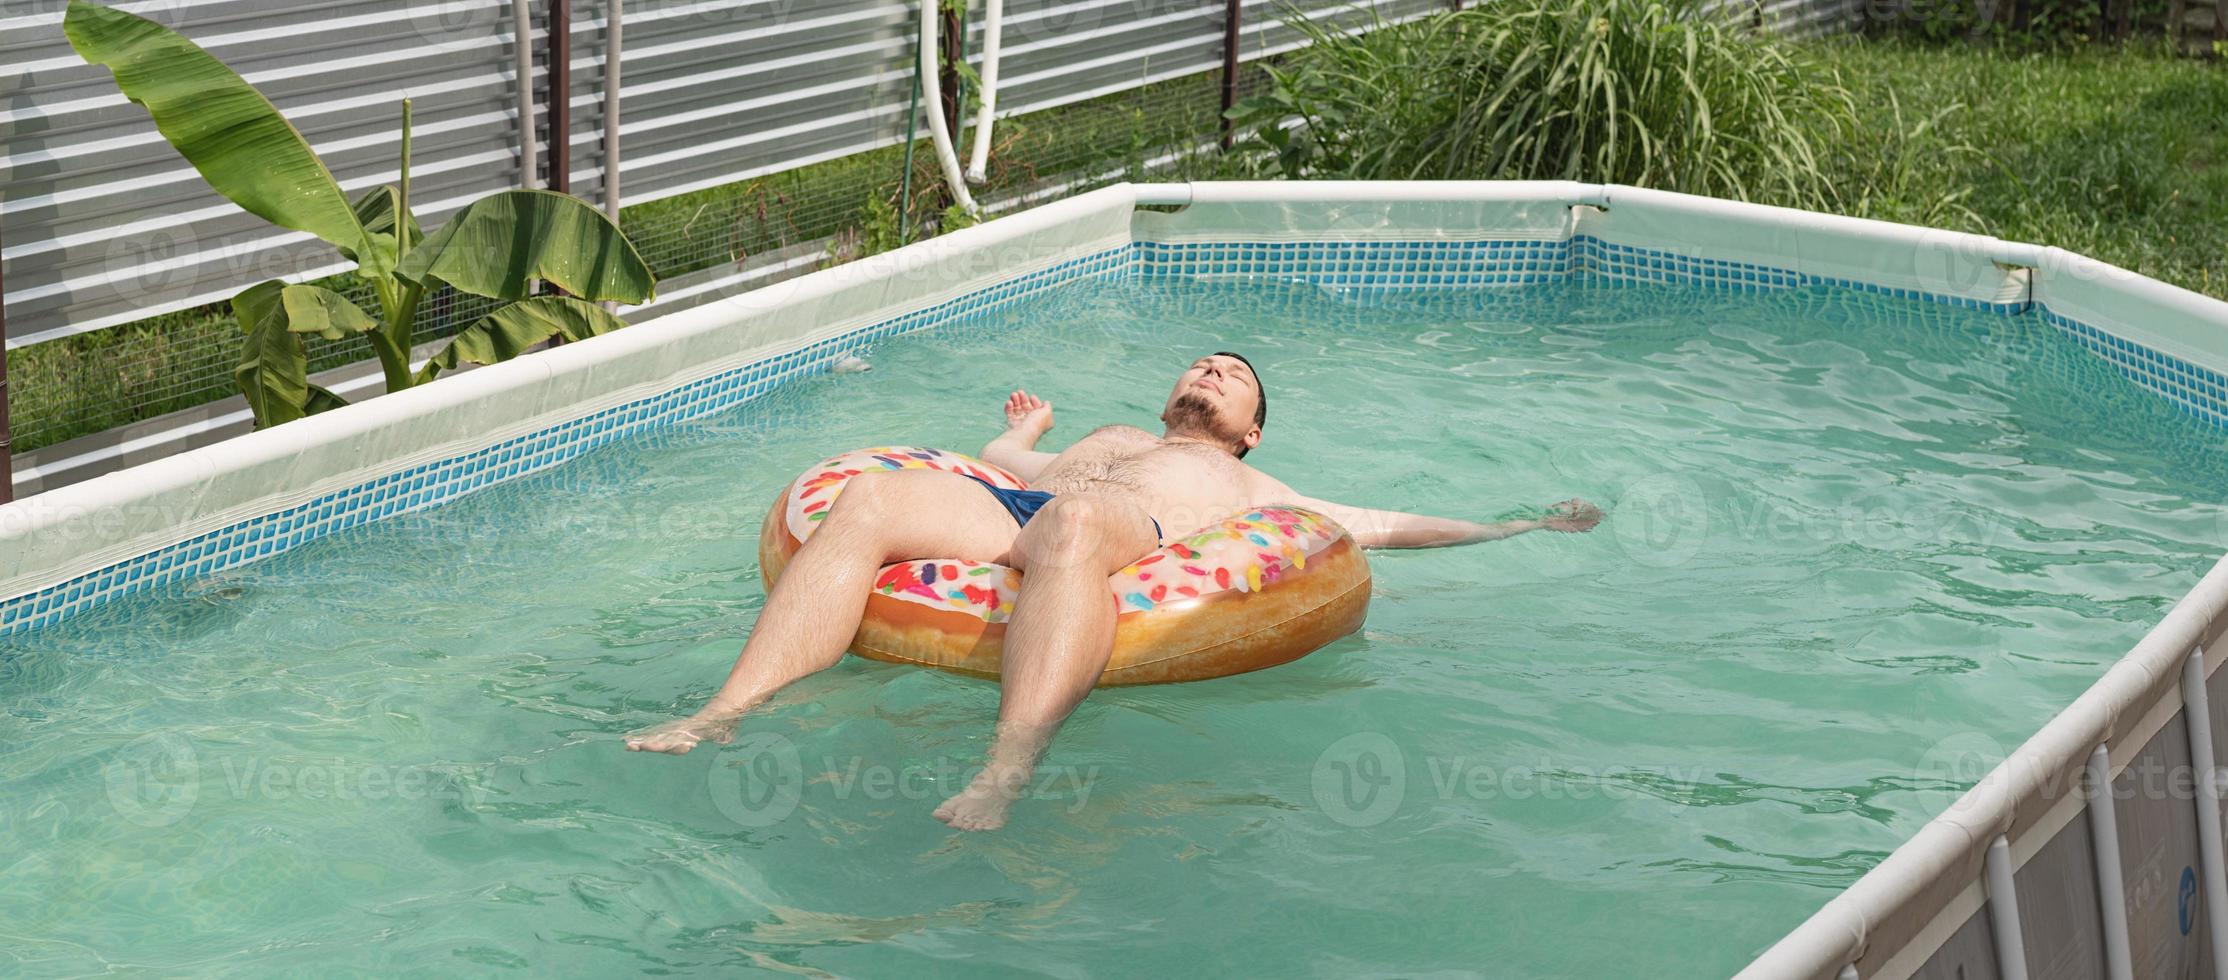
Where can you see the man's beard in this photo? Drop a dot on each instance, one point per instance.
(1193, 414)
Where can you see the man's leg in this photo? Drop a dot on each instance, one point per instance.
(814, 610)
(1057, 642)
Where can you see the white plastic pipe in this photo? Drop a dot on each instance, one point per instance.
(994, 15)
(522, 30)
(932, 96)
(613, 46)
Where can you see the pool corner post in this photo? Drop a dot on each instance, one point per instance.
(1231, 23)
(2197, 717)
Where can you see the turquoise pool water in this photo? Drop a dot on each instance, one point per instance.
(1855, 547)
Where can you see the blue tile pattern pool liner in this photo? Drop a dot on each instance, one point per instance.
(1368, 265)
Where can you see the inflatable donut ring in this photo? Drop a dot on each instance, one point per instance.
(1261, 588)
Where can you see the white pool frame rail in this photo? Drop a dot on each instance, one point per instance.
(2036, 871)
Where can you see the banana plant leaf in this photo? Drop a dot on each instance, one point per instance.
(234, 136)
(273, 372)
(322, 400)
(317, 310)
(512, 330)
(498, 245)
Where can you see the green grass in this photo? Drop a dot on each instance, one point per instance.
(2119, 154)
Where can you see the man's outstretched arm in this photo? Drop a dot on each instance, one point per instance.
(1394, 529)
(1027, 419)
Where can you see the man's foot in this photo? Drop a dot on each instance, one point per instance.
(678, 736)
(983, 804)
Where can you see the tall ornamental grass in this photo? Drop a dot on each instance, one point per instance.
(1657, 93)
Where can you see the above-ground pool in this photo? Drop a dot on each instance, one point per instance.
(1864, 537)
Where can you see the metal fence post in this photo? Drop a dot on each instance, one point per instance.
(7, 449)
(560, 112)
(953, 41)
(560, 96)
(1231, 22)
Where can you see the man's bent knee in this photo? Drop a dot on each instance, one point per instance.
(872, 497)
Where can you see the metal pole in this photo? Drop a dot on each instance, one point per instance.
(560, 96)
(7, 450)
(905, 180)
(954, 44)
(2111, 882)
(529, 143)
(2003, 913)
(1232, 11)
(560, 111)
(2197, 714)
(611, 48)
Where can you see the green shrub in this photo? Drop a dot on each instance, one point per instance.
(1649, 92)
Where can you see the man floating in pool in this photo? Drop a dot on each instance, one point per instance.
(1105, 501)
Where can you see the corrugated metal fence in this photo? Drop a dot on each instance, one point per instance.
(103, 224)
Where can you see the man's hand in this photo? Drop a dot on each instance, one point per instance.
(1028, 414)
(1027, 417)
(1571, 515)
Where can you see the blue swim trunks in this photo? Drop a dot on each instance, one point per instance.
(1024, 504)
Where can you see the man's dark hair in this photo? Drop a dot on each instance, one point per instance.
(1260, 392)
